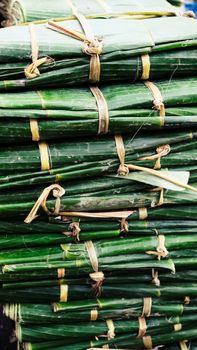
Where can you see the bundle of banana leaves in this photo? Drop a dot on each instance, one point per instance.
(73, 112)
(15, 12)
(20, 202)
(71, 293)
(72, 230)
(120, 344)
(116, 309)
(88, 330)
(114, 333)
(89, 226)
(44, 163)
(62, 54)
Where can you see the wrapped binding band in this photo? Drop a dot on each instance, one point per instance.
(32, 70)
(92, 46)
(97, 276)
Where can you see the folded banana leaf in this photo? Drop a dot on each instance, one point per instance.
(15, 12)
(73, 112)
(170, 40)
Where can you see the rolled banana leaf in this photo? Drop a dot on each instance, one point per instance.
(170, 40)
(72, 112)
(15, 12)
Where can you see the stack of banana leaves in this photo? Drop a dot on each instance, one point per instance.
(15, 11)
(98, 205)
(56, 290)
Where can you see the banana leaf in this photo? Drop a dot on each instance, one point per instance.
(15, 12)
(73, 111)
(120, 61)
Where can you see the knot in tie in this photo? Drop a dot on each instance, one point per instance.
(93, 47)
(123, 170)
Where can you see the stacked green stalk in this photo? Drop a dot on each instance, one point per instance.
(98, 233)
